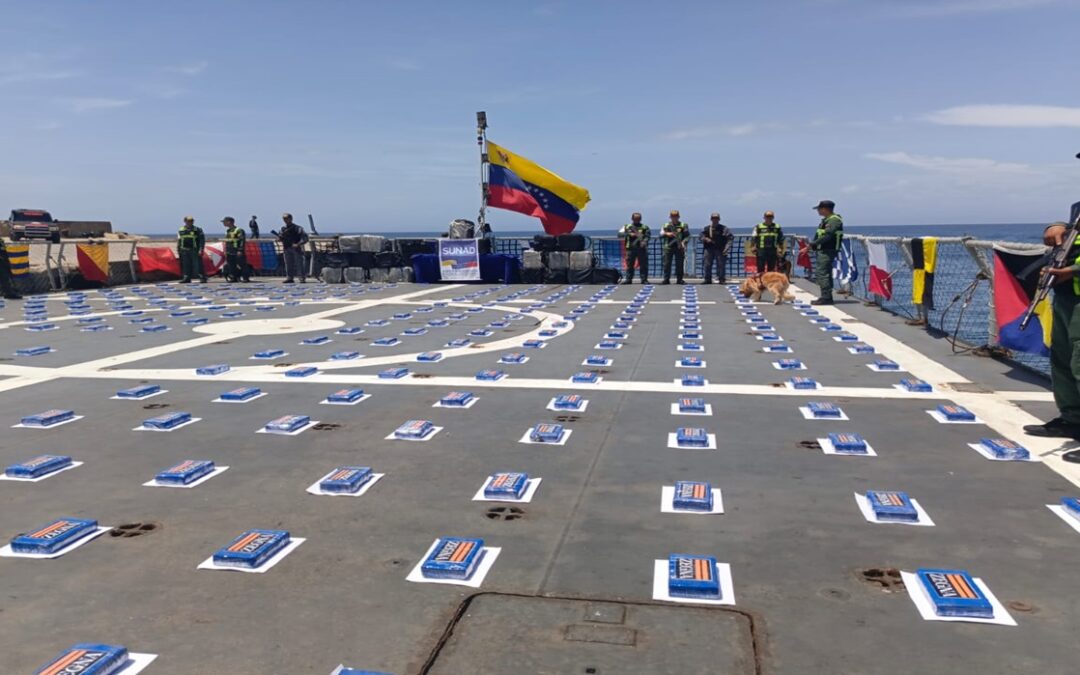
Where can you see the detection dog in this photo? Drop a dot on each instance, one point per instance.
(776, 283)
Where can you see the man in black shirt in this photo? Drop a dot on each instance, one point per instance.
(716, 240)
(293, 238)
(253, 225)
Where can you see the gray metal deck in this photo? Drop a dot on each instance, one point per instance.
(571, 591)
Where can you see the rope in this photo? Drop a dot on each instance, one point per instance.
(966, 295)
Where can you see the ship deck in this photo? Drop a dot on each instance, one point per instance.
(571, 590)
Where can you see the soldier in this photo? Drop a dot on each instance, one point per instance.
(826, 242)
(253, 225)
(293, 238)
(716, 240)
(235, 259)
(1064, 342)
(767, 244)
(636, 236)
(190, 241)
(675, 234)
(7, 280)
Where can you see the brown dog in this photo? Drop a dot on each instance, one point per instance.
(775, 282)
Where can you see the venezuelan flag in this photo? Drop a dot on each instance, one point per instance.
(19, 257)
(1016, 277)
(518, 184)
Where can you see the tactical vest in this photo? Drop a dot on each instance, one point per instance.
(678, 231)
(766, 238)
(626, 232)
(234, 238)
(839, 232)
(187, 238)
(1076, 280)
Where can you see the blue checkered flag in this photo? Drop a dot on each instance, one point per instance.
(845, 271)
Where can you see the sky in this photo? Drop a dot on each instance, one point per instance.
(362, 113)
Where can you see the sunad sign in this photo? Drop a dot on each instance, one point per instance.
(459, 260)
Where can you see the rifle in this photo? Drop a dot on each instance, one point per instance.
(1058, 259)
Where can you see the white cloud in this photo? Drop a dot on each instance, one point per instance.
(189, 69)
(954, 7)
(745, 129)
(751, 196)
(1004, 115)
(90, 103)
(949, 165)
(403, 64)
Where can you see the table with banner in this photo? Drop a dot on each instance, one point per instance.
(460, 260)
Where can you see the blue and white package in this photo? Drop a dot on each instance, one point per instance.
(344, 356)
(429, 357)
(862, 349)
(216, 369)
(346, 396)
(789, 364)
(453, 558)
(38, 466)
(1071, 506)
(597, 360)
(568, 402)
(319, 340)
(513, 357)
(691, 362)
(456, 399)
(347, 479)
(691, 347)
(301, 371)
(694, 437)
(490, 375)
(287, 424)
(386, 342)
(240, 394)
(167, 421)
(508, 485)
(954, 593)
(849, 443)
(87, 659)
(414, 429)
(955, 413)
(803, 383)
(546, 433)
(692, 496)
(889, 505)
(1003, 448)
(186, 472)
(693, 381)
(886, 364)
(33, 351)
(54, 537)
(140, 391)
(48, 418)
(824, 410)
(393, 373)
(693, 576)
(269, 354)
(585, 377)
(915, 385)
(692, 405)
(252, 548)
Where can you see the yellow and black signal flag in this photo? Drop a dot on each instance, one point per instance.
(19, 257)
(94, 261)
(923, 262)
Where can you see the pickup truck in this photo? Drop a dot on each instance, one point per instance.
(38, 224)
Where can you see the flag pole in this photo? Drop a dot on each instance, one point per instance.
(481, 141)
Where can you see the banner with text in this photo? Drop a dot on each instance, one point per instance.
(459, 260)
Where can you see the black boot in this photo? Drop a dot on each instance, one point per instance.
(822, 301)
(1055, 428)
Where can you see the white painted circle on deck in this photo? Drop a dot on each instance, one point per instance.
(268, 326)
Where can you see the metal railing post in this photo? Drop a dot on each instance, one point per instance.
(131, 262)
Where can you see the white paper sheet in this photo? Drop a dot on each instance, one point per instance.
(802, 366)
(808, 415)
(255, 397)
(471, 402)
(981, 449)
(708, 411)
(877, 369)
(291, 433)
(1058, 509)
(941, 418)
(723, 573)
(667, 496)
(358, 401)
(293, 544)
(141, 398)
(584, 406)
(136, 663)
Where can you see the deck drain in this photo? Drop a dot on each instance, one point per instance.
(808, 445)
(1021, 606)
(129, 530)
(284, 365)
(504, 513)
(422, 376)
(155, 406)
(566, 418)
(326, 426)
(886, 578)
